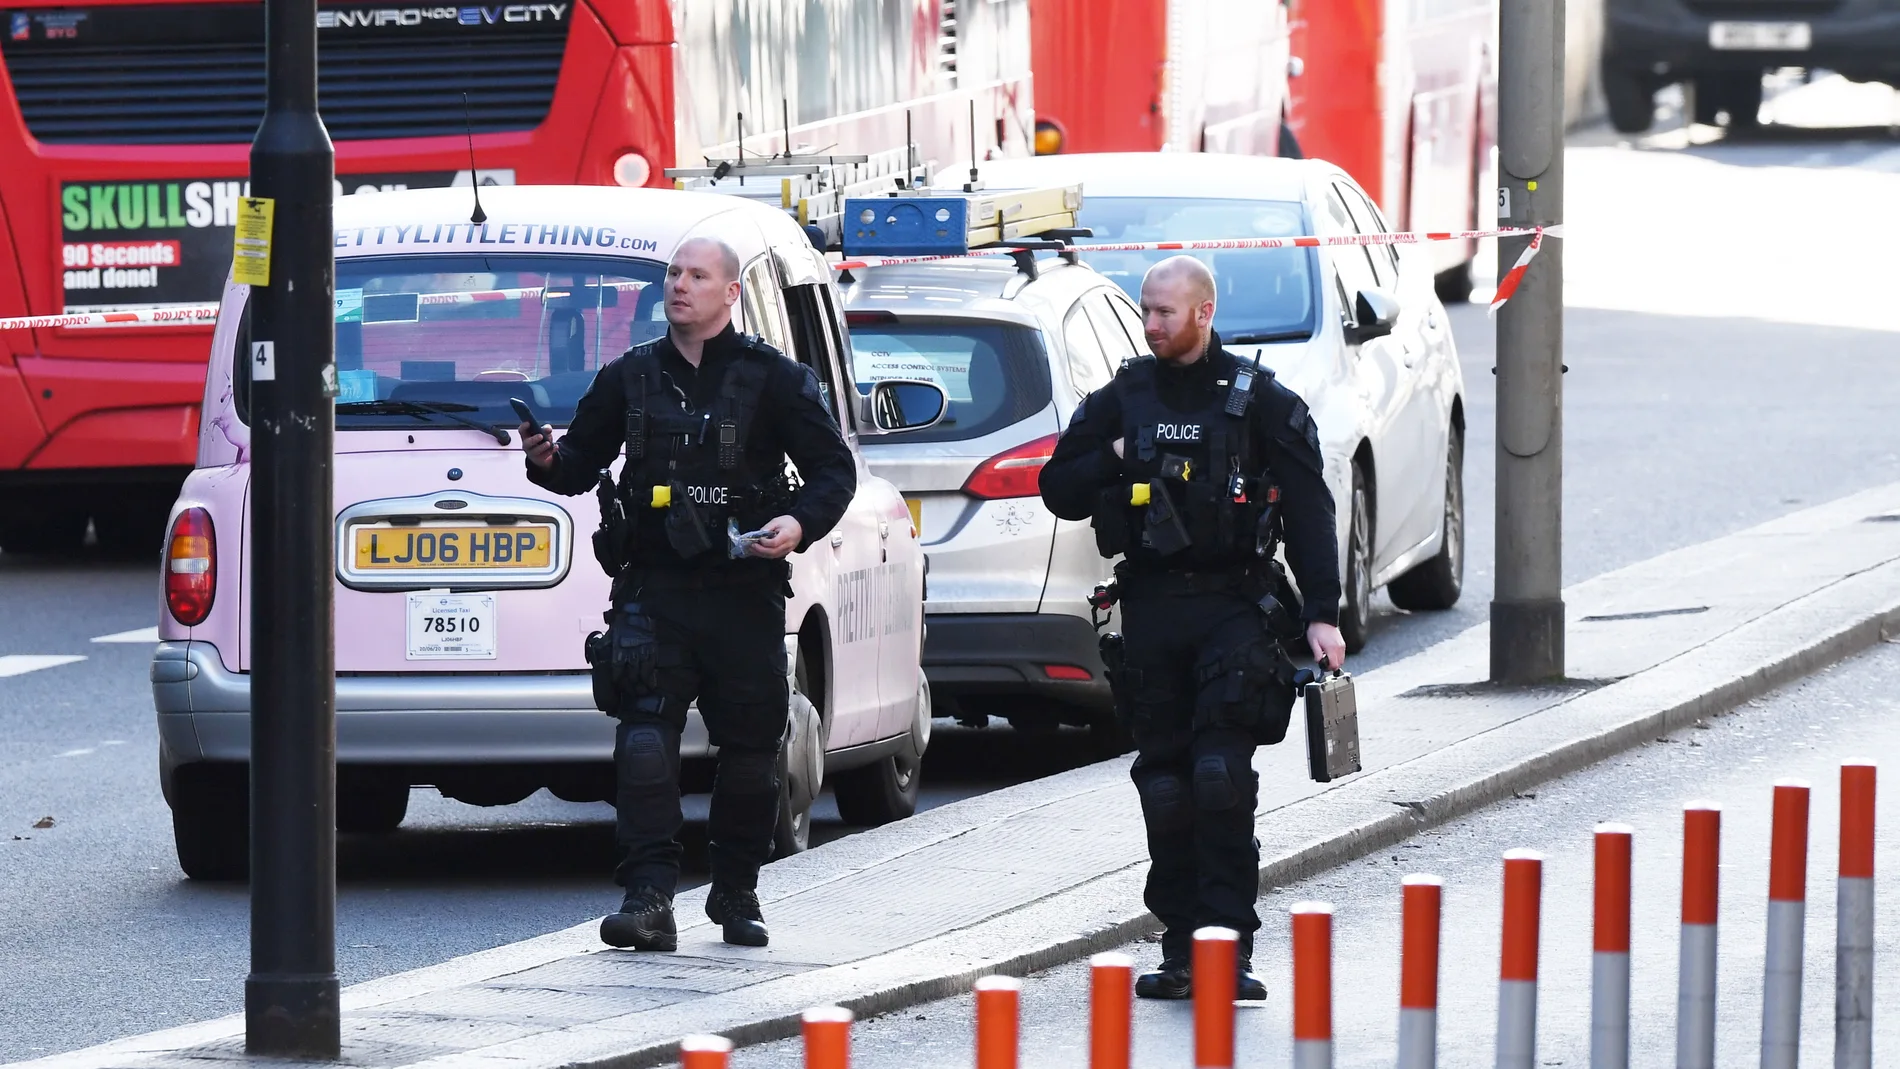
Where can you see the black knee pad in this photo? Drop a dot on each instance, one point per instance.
(1213, 784)
(1164, 798)
(748, 771)
(644, 756)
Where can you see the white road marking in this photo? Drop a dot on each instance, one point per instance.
(143, 634)
(19, 664)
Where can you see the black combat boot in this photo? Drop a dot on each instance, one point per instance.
(738, 913)
(645, 922)
(1247, 986)
(1174, 980)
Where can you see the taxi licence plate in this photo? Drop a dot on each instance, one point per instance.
(1761, 36)
(461, 548)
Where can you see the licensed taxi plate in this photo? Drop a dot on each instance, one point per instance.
(458, 548)
(451, 627)
(1761, 36)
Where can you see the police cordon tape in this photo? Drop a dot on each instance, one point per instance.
(206, 314)
(1506, 285)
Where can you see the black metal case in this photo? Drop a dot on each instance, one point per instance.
(1332, 727)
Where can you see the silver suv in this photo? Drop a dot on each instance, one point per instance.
(1015, 345)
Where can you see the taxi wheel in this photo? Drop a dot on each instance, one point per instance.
(801, 769)
(1355, 610)
(369, 806)
(886, 790)
(211, 821)
(1436, 583)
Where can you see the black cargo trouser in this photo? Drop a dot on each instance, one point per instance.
(1204, 684)
(670, 641)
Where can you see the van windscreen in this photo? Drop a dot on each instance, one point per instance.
(463, 334)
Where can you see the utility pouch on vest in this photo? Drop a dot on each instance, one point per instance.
(1164, 532)
(686, 525)
(600, 664)
(613, 539)
(1111, 522)
(1280, 622)
(1115, 663)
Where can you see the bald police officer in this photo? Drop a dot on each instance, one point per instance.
(707, 417)
(1193, 464)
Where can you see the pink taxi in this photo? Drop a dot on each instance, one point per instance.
(463, 591)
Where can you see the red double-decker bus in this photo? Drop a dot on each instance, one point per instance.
(1403, 95)
(1400, 93)
(1142, 75)
(125, 129)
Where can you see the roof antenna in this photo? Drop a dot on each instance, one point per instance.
(785, 110)
(975, 183)
(910, 156)
(474, 179)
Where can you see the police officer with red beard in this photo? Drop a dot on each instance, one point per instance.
(1193, 466)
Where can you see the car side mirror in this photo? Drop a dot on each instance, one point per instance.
(903, 405)
(1375, 311)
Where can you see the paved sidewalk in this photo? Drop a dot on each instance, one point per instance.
(1033, 875)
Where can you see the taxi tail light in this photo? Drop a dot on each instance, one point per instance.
(191, 567)
(1012, 473)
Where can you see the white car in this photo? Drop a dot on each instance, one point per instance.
(1357, 331)
(1016, 346)
(439, 322)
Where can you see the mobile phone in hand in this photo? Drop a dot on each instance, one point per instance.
(527, 416)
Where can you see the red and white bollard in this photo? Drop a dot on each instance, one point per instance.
(1312, 985)
(705, 1052)
(1420, 910)
(1701, 884)
(998, 1021)
(1854, 923)
(1610, 962)
(827, 1031)
(1517, 971)
(1787, 924)
(1216, 974)
(1111, 1011)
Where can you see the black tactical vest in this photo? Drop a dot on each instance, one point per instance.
(1195, 491)
(697, 456)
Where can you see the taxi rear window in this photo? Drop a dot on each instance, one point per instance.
(995, 374)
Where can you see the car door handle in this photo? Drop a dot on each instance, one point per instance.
(883, 529)
(837, 539)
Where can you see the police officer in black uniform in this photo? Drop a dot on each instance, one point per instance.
(707, 417)
(1193, 465)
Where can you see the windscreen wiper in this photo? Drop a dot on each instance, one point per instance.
(423, 410)
(1263, 336)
